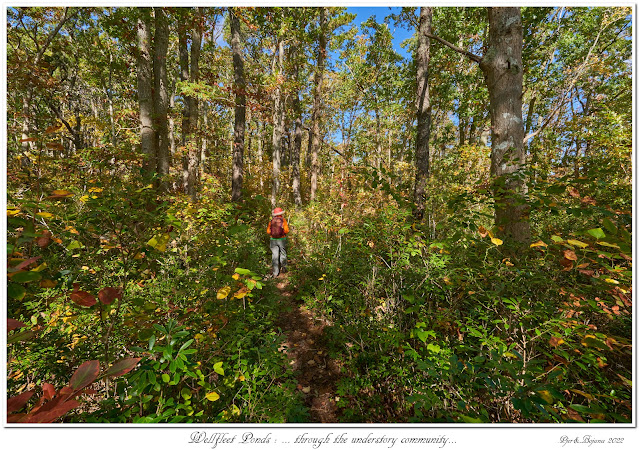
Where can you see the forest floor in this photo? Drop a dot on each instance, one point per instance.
(307, 352)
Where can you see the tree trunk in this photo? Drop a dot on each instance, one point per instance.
(240, 109)
(278, 123)
(193, 145)
(161, 95)
(314, 137)
(297, 140)
(422, 152)
(503, 68)
(145, 92)
(184, 76)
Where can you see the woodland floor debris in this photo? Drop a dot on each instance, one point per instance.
(307, 352)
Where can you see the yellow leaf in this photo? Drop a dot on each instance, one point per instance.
(47, 284)
(40, 268)
(610, 280)
(496, 241)
(538, 244)
(95, 189)
(236, 276)
(13, 212)
(46, 215)
(62, 193)
(224, 292)
(241, 293)
(212, 396)
(546, 396)
(198, 337)
(159, 242)
(84, 198)
(577, 243)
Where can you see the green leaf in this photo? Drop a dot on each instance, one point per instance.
(469, 419)
(217, 367)
(74, 245)
(608, 225)
(597, 233)
(185, 345)
(16, 291)
(26, 277)
(242, 271)
(166, 378)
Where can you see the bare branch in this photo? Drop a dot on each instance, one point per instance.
(466, 53)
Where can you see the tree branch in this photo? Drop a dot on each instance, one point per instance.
(466, 53)
(53, 33)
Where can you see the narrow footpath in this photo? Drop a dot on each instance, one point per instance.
(307, 353)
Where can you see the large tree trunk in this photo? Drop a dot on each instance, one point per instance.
(502, 65)
(145, 92)
(278, 124)
(422, 153)
(161, 95)
(314, 138)
(240, 109)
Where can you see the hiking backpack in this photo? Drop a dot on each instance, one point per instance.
(277, 227)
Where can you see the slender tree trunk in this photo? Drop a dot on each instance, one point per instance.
(145, 92)
(314, 137)
(240, 109)
(503, 68)
(422, 152)
(193, 141)
(114, 140)
(278, 123)
(297, 140)
(172, 141)
(184, 76)
(161, 95)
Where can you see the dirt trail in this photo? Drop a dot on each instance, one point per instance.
(306, 350)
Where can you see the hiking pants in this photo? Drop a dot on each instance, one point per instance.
(278, 248)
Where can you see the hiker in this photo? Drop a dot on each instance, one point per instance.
(277, 229)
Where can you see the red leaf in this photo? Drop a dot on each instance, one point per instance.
(12, 324)
(24, 264)
(28, 140)
(44, 240)
(83, 298)
(108, 294)
(566, 263)
(121, 367)
(17, 402)
(15, 418)
(85, 375)
(48, 390)
(56, 413)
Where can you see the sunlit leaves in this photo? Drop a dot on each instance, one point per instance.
(159, 242)
(212, 396)
(217, 367)
(224, 292)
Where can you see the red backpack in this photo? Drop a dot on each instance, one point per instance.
(277, 227)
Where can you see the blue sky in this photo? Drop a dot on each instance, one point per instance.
(380, 12)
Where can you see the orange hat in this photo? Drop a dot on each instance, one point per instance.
(278, 212)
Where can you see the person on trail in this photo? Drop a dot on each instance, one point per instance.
(278, 229)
